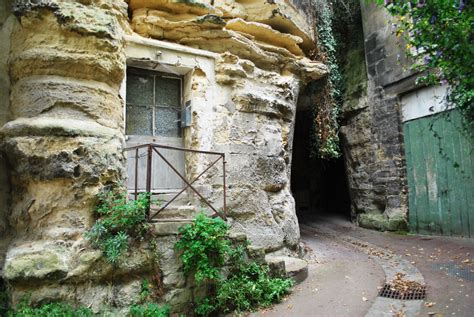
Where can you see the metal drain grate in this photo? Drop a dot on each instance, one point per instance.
(410, 294)
(455, 270)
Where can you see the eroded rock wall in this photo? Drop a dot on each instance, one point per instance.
(65, 137)
(259, 71)
(7, 21)
(63, 141)
(255, 129)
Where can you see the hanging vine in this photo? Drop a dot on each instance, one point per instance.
(328, 91)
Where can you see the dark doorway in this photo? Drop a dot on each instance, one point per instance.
(319, 186)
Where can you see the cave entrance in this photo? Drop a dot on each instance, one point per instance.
(318, 186)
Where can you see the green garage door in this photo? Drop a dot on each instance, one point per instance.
(440, 176)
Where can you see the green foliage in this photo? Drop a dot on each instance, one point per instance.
(4, 298)
(149, 310)
(119, 221)
(145, 291)
(249, 289)
(438, 36)
(247, 286)
(204, 247)
(49, 310)
(329, 96)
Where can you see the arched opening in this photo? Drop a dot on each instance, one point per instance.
(319, 186)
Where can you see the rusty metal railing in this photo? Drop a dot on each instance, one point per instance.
(153, 148)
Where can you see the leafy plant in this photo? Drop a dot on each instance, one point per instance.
(204, 245)
(3, 300)
(145, 291)
(49, 310)
(329, 90)
(247, 285)
(149, 310)
(438, 36)
(119, 220)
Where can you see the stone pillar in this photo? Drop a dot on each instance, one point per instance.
(65, 138)
(7, 21)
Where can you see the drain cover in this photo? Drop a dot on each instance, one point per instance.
(412, 293)
(455, 270)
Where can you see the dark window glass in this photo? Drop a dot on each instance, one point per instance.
(151, 95)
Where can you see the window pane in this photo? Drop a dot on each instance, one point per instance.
(167, 122)
(139, 90)
(139, 120)
(168, 92)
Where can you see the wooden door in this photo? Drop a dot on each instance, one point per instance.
(153, 111)
(440, 175)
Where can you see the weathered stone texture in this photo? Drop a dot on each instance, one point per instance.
(372, 137)
(258, 75)
(64, 139)
(386, 61)
(259, 151)
(7, 22)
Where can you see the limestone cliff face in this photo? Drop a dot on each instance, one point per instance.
(65, 138)
(7, 21)
(259, 71)
(255, 128)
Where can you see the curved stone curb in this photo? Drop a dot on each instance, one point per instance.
(391, 265)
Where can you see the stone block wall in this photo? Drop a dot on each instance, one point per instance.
(372, 132)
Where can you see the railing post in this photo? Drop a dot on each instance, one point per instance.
(136, 173)
(149, 172)
(148, 175)
(224, 183)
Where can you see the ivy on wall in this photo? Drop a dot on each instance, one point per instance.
(328, 91)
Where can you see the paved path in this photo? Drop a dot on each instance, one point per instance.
(341, 282)
(350, 264)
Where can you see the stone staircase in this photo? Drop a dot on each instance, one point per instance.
(178, 213)
(181, 212)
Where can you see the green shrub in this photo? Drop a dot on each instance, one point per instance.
(50, 310)
(247, 286)
(3, 300)
(145, 291)
(149, 310)
(204, 245)
(119, 220)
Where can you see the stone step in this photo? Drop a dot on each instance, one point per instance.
(291, 267)
(163, 197)
(168, 227)
(175, 212)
